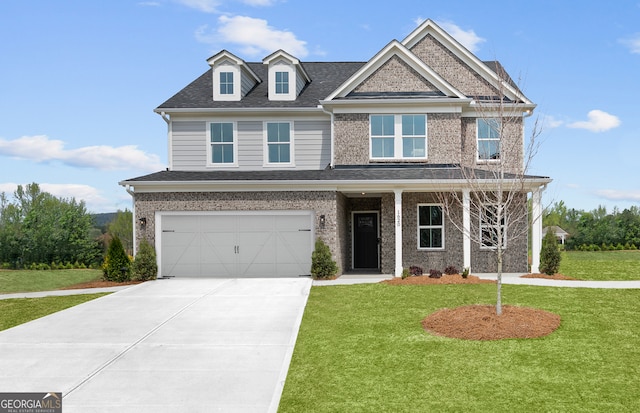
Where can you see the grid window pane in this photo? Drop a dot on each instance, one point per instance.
(488, 139)
(282, 82)
(226, 83)
(382, 147)
(279, 142)
(413, 147)
(430, 226)
(222, 142)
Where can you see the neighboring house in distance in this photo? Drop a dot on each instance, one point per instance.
(265, 157)
(560, 234)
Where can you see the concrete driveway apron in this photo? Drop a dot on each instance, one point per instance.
(179, 345)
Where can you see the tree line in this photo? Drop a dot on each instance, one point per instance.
(596, 229)
(37, 227)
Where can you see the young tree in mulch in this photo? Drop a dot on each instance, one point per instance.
(550, 254)
(145, 266)
(322, 264)
(117, 265)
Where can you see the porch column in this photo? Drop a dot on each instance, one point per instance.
(398, 231)
(466, 226)
(536, 229)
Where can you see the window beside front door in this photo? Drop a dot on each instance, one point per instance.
(430, 227)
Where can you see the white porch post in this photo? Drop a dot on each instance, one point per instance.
(536, 230)
(466, 225)
(398, 231)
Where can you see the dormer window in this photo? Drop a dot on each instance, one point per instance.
(226, 83)
(282, 83)
(232, 77)
(287, 77)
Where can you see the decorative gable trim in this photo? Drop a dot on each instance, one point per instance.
(428, 27)
(287, 76)
(391, 50)
(242, 79)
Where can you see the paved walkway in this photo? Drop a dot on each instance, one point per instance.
(197, 345)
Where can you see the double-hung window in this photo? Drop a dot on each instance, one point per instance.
(226, 83)
(488, 139)
(282, 83)
(493, 225)
(279, 143)
(430, 227)
(222, 144)
(398, 136)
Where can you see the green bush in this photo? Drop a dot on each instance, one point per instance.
(116, 266)
(465, 272)
(550, 254)
(145, 267)
(322, 264)
(405, 273)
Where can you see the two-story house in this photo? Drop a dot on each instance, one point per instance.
(265, 157)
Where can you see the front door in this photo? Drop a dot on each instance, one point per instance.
(365, 240)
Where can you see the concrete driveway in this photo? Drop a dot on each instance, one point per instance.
(194, 345)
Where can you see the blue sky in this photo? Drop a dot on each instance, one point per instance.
(79, 79)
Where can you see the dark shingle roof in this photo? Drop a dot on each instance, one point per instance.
(325, 78)
(381, 172)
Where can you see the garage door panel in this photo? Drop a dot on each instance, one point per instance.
(231, 245)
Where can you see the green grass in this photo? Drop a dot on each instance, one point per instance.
(361, 348)
(28, 281)
(601, 265)
(16, 311)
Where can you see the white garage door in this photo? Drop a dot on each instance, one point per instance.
(236, 245)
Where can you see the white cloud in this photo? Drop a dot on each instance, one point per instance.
(207, 6)
(468, 38)
(40, 148)
(254, 36)
(632, 42)
(550, 122)
(617, 195)
(599, 121)
(262, 3)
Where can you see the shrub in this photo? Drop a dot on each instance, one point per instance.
(450, 270)
(550, 254)
(405, 273)
(117, 266)
(415, 270)
(144, 266)
(435, 274)
(465, 272)
(322, 265)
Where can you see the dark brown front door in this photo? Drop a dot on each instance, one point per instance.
(365, 240)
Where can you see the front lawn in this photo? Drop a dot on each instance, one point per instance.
(16, 311)
(601, 265)
(361, 348)
(14, 281)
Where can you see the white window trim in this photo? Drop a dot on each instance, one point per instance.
(237, 82)
(266, 162)
(419, 227)
(210, 164)
(499, 139)
(482, 224)
(397, 138)
(282, 66)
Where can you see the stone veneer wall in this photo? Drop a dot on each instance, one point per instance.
(351, 136)
(451, 68)
(323, 203)
(395, 76)
(444, 137)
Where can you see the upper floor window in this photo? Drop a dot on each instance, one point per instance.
(430, 227)
(398, 136)
(488, 132)
(279, 143)
(282, 82)
(226, 83)
(222, 144)
(492, 226)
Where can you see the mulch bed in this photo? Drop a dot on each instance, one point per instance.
(480, 322)
(99, 284)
